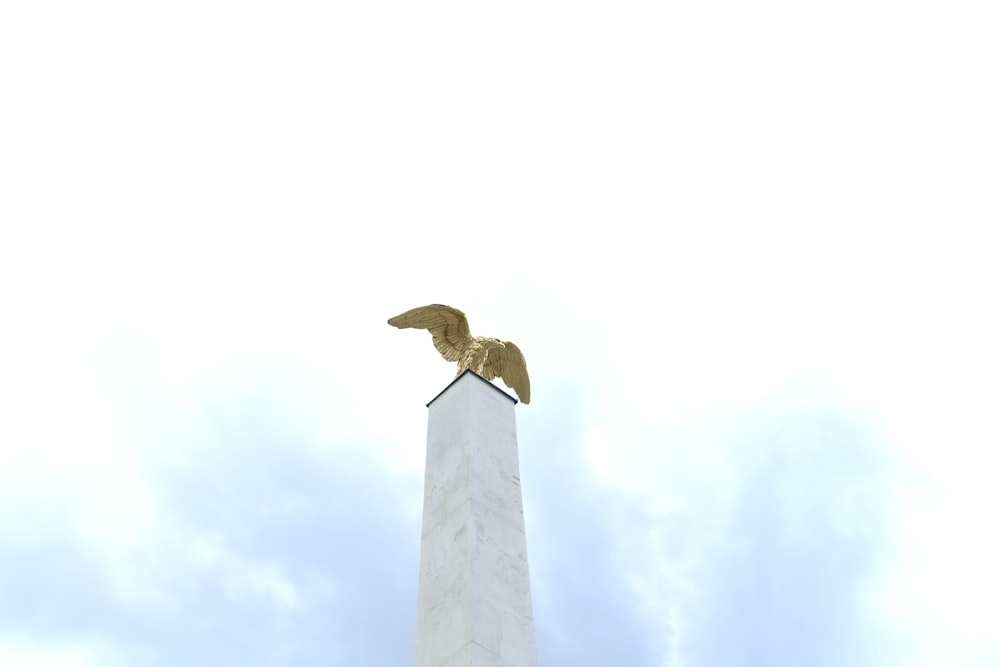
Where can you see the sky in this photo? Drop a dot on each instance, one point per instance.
(747, 249)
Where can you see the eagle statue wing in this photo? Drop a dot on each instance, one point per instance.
(508, 363)
(447, 325)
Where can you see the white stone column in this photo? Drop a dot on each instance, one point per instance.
(474, 597)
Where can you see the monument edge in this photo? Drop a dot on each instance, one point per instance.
(481, 379)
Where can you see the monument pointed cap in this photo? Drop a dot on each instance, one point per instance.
(469, 371)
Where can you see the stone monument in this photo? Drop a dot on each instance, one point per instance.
(474, 594)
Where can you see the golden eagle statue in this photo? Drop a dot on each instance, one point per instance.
(487, 356)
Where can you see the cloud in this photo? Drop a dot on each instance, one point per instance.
(233, 519)
(585, 612)
(759, 538)
(263, 544)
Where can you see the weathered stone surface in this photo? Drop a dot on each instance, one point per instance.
(474, 598)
